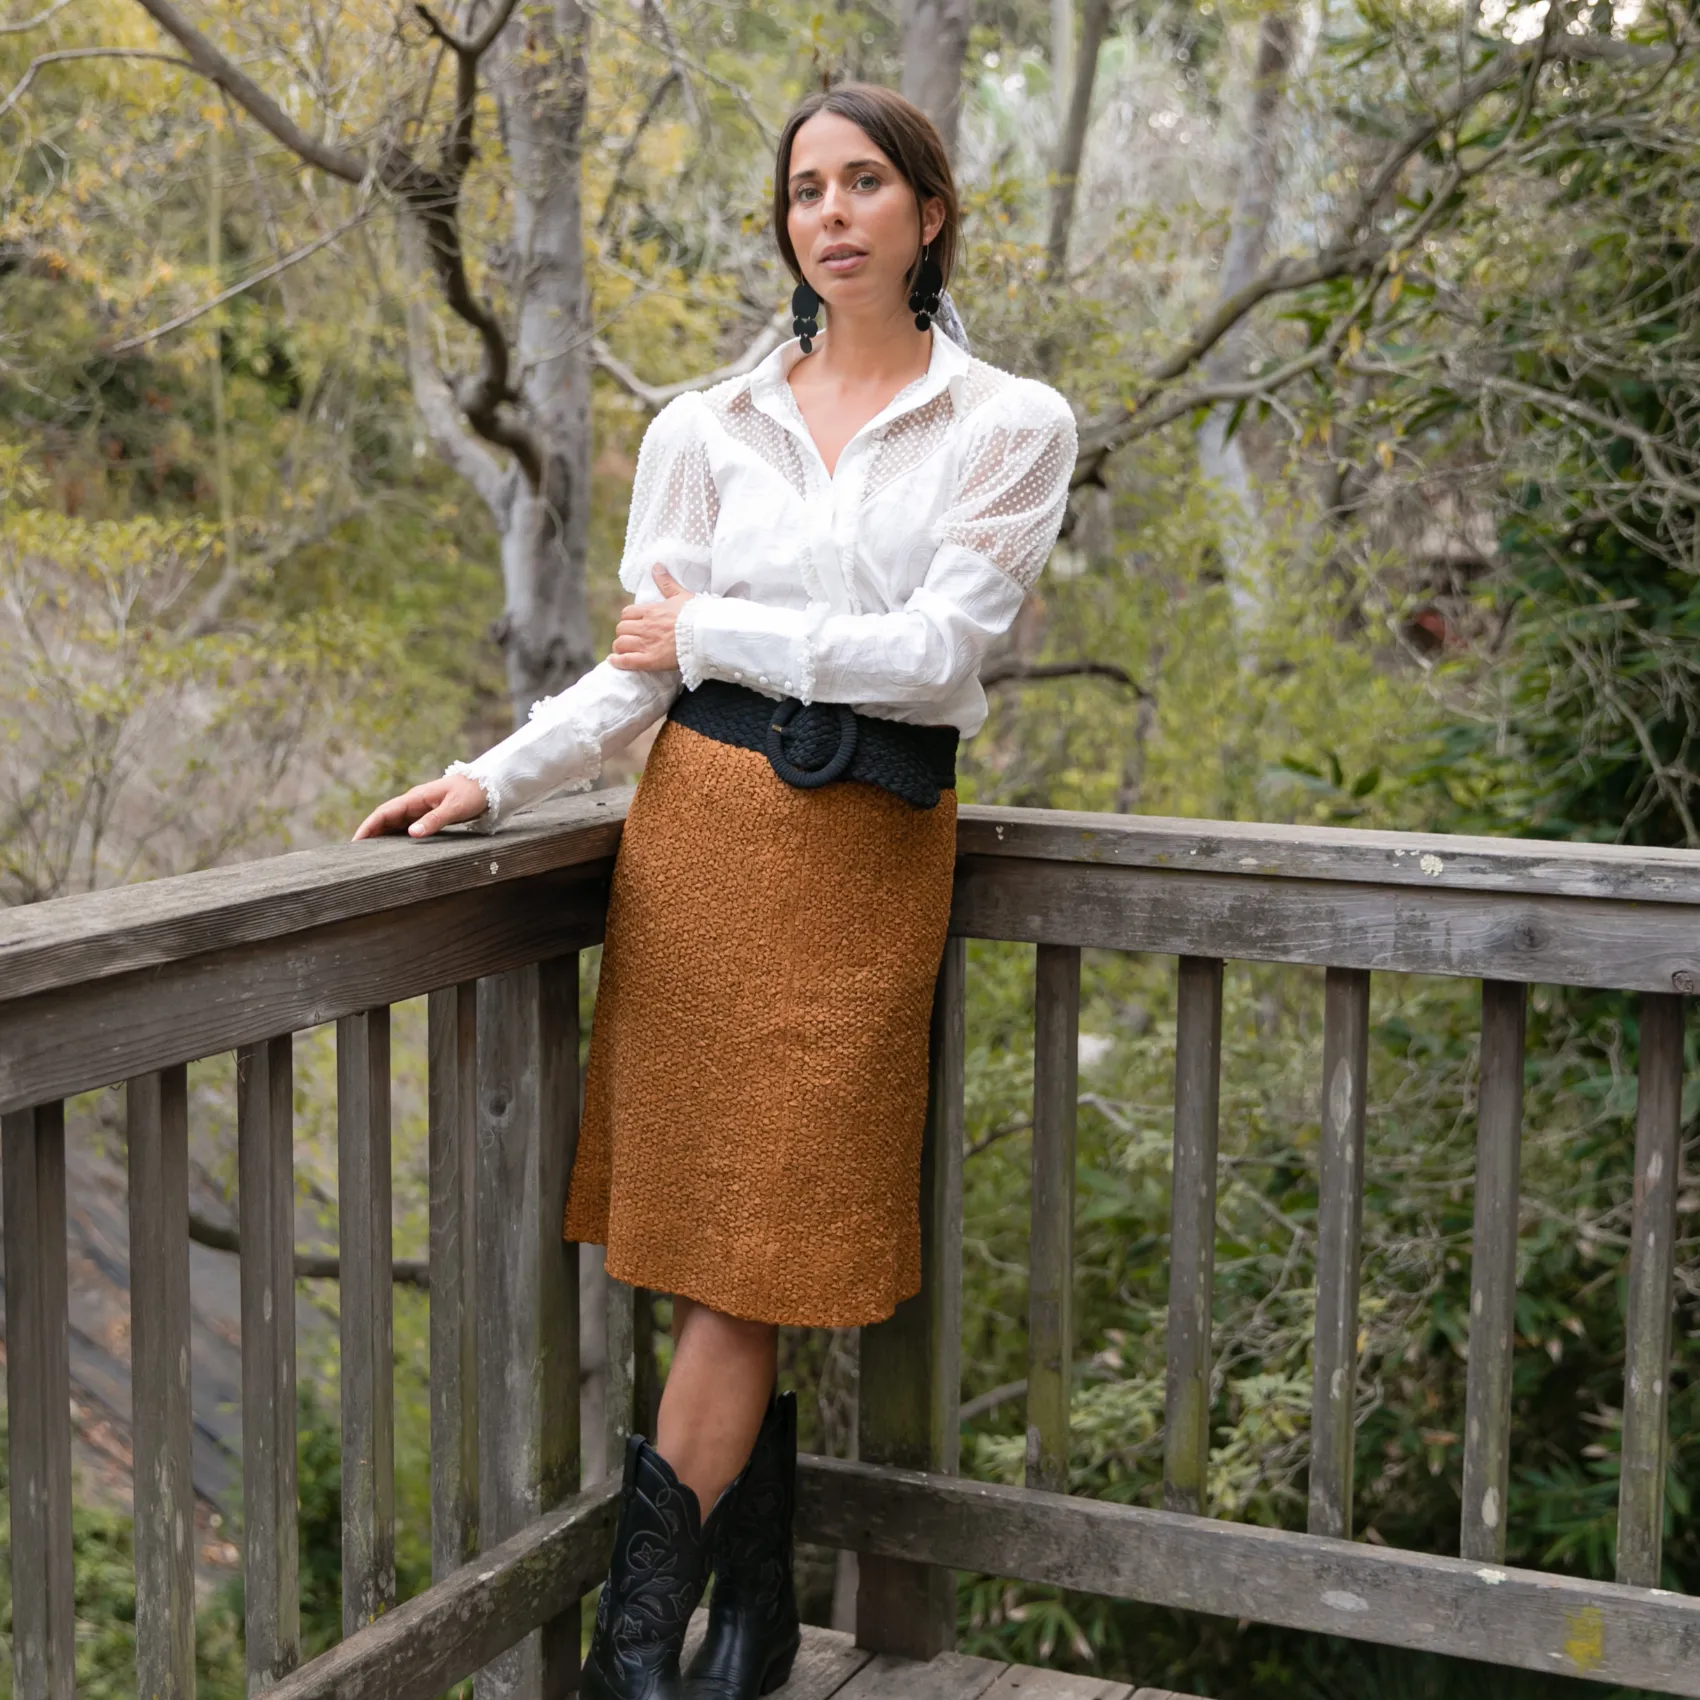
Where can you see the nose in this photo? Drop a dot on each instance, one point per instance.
(831, 206)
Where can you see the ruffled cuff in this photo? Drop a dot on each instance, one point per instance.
(685, 641)
(485, 822)
(554, 752)
(749, 643)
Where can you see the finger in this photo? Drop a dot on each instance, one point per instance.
(387, 817)
(665, 581)
(428, 823)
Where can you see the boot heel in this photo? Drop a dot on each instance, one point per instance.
(778, 1673)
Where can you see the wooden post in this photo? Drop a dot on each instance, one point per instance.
(1339, 1222)
(1493, 1273)
(157, 1110)
(911, 1379)
(367, 1318)
(452, 1020)
(265, 1142)
(1050, 1281)
(1192, 1234)
(528, 1360)
(1652, 1247)
(38, 1400)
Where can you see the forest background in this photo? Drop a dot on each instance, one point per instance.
(327, 336)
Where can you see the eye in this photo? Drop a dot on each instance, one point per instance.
(804, 191)
(866, 180)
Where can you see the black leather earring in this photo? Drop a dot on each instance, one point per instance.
(805, 315)
(928, 287)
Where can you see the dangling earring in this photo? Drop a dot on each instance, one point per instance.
(929, 286)
(805, 315)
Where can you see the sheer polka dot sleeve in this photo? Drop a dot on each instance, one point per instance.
(1009, 500)
(674, 502)
(989, 545)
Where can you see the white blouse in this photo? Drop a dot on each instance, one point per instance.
(879, 585)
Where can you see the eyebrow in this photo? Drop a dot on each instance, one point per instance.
(849, 165)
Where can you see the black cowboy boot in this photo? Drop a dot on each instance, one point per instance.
(655, 1580)
(752, 1614)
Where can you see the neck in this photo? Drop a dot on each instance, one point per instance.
(873, 347)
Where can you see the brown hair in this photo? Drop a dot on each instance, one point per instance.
(903, 133)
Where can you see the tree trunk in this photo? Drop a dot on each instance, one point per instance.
(1221, 458)
(537, 72)
(935, 42)
(1071, 138)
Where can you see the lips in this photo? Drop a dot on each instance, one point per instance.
(841, 258)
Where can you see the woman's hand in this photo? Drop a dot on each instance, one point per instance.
(436, 803)
(645, 640)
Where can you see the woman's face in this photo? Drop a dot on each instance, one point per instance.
(853, 220)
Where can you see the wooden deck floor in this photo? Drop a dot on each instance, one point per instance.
(832, 1667)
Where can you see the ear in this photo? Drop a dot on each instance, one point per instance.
(932, 218)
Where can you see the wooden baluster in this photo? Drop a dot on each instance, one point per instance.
(1339, 1223)
(1493, 1273)
(1646, 1382)
(38, 1400)
(1050, 1281)
(527, 1293)
(265, 1143)
(1192, 1233)
(911, 1375)
(157, 1111)
(367, 1321)
(452, 1021)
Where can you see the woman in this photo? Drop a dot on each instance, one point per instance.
(819, 554)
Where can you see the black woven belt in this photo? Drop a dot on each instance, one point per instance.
(824, 741)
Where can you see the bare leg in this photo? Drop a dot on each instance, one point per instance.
(715, 1397)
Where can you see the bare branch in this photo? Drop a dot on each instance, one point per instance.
(309, 1265)
(658, 395)
(215, 67)
(20, 87)
(37, 21)
(294, 258)
(1027, 672)
(1349, 254)
(617, 186)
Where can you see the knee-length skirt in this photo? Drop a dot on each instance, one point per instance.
(757, 1079)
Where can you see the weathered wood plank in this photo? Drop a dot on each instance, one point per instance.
(432, 1641)
(1025, 1682)
(157, 1116)
(1636, 1637)
(38, 1400)
(1339, 1222)
(452, 1112)
(826, 1660)
(99, 935)
(1192, 1233)
(1425, 859)
(1652, 1250)
(527, 1295)
(945, 1676)
(265, 1139)
(366, 1317)
(108, 933)
(1493, 1273)
(911, 1365)
(1050, 1281)
(1407, 930)
(86, 1036)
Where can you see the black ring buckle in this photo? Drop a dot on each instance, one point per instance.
(809, 778)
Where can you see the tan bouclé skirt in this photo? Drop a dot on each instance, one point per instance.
(758, 1060)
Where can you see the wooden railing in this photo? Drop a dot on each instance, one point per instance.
(133, 984)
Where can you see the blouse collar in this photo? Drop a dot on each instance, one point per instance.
(947, 369)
